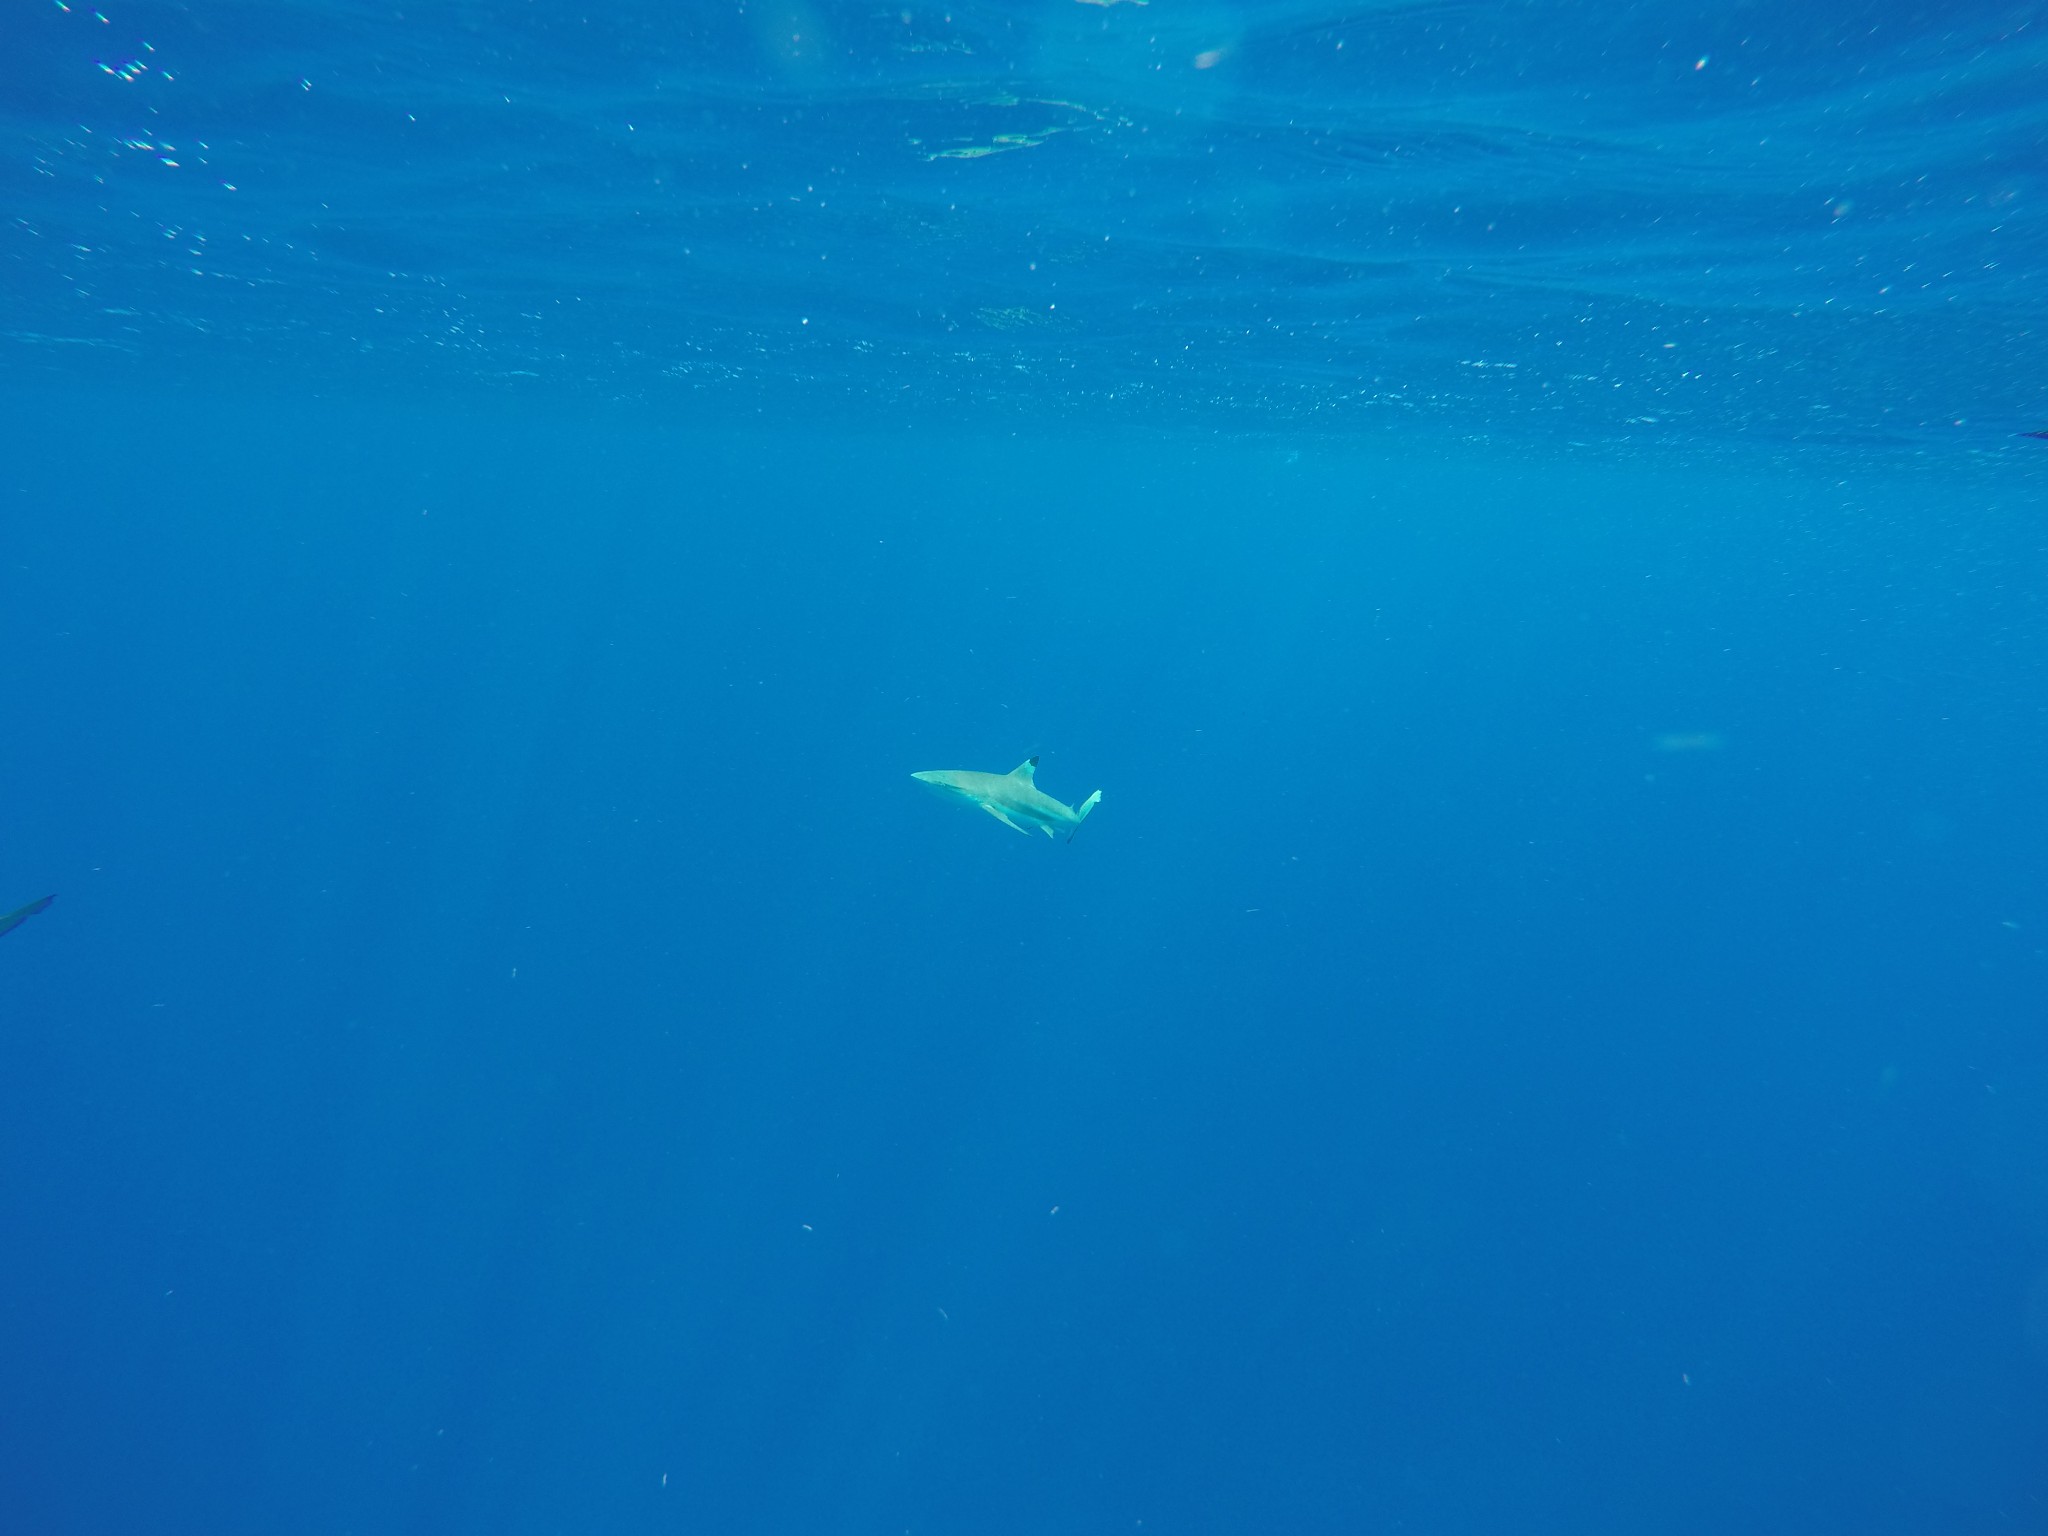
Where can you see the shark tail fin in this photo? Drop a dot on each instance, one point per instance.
(1081, 812)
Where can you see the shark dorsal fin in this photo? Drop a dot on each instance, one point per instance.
(1026, 770)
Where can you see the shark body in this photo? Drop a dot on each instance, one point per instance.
(13, 920)
(1012, 798)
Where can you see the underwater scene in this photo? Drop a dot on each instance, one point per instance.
(1023, 768)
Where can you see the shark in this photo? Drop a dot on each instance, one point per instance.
(1013, 798)
(13, 920)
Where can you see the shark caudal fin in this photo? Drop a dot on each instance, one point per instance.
(1081, 812)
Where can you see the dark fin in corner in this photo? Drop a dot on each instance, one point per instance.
(20, 915)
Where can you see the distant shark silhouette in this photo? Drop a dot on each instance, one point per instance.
(20, 915)
(1010, 797)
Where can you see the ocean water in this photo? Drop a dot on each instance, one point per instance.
(1522, 509)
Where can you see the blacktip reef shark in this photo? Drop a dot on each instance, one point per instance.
(20, 915)
(1013, 798)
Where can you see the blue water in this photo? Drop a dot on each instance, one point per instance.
(1521, 509)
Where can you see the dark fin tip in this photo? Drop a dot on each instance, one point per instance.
(1034, 761)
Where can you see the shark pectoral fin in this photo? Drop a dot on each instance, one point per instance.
(999, 816)
(1045, 829)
